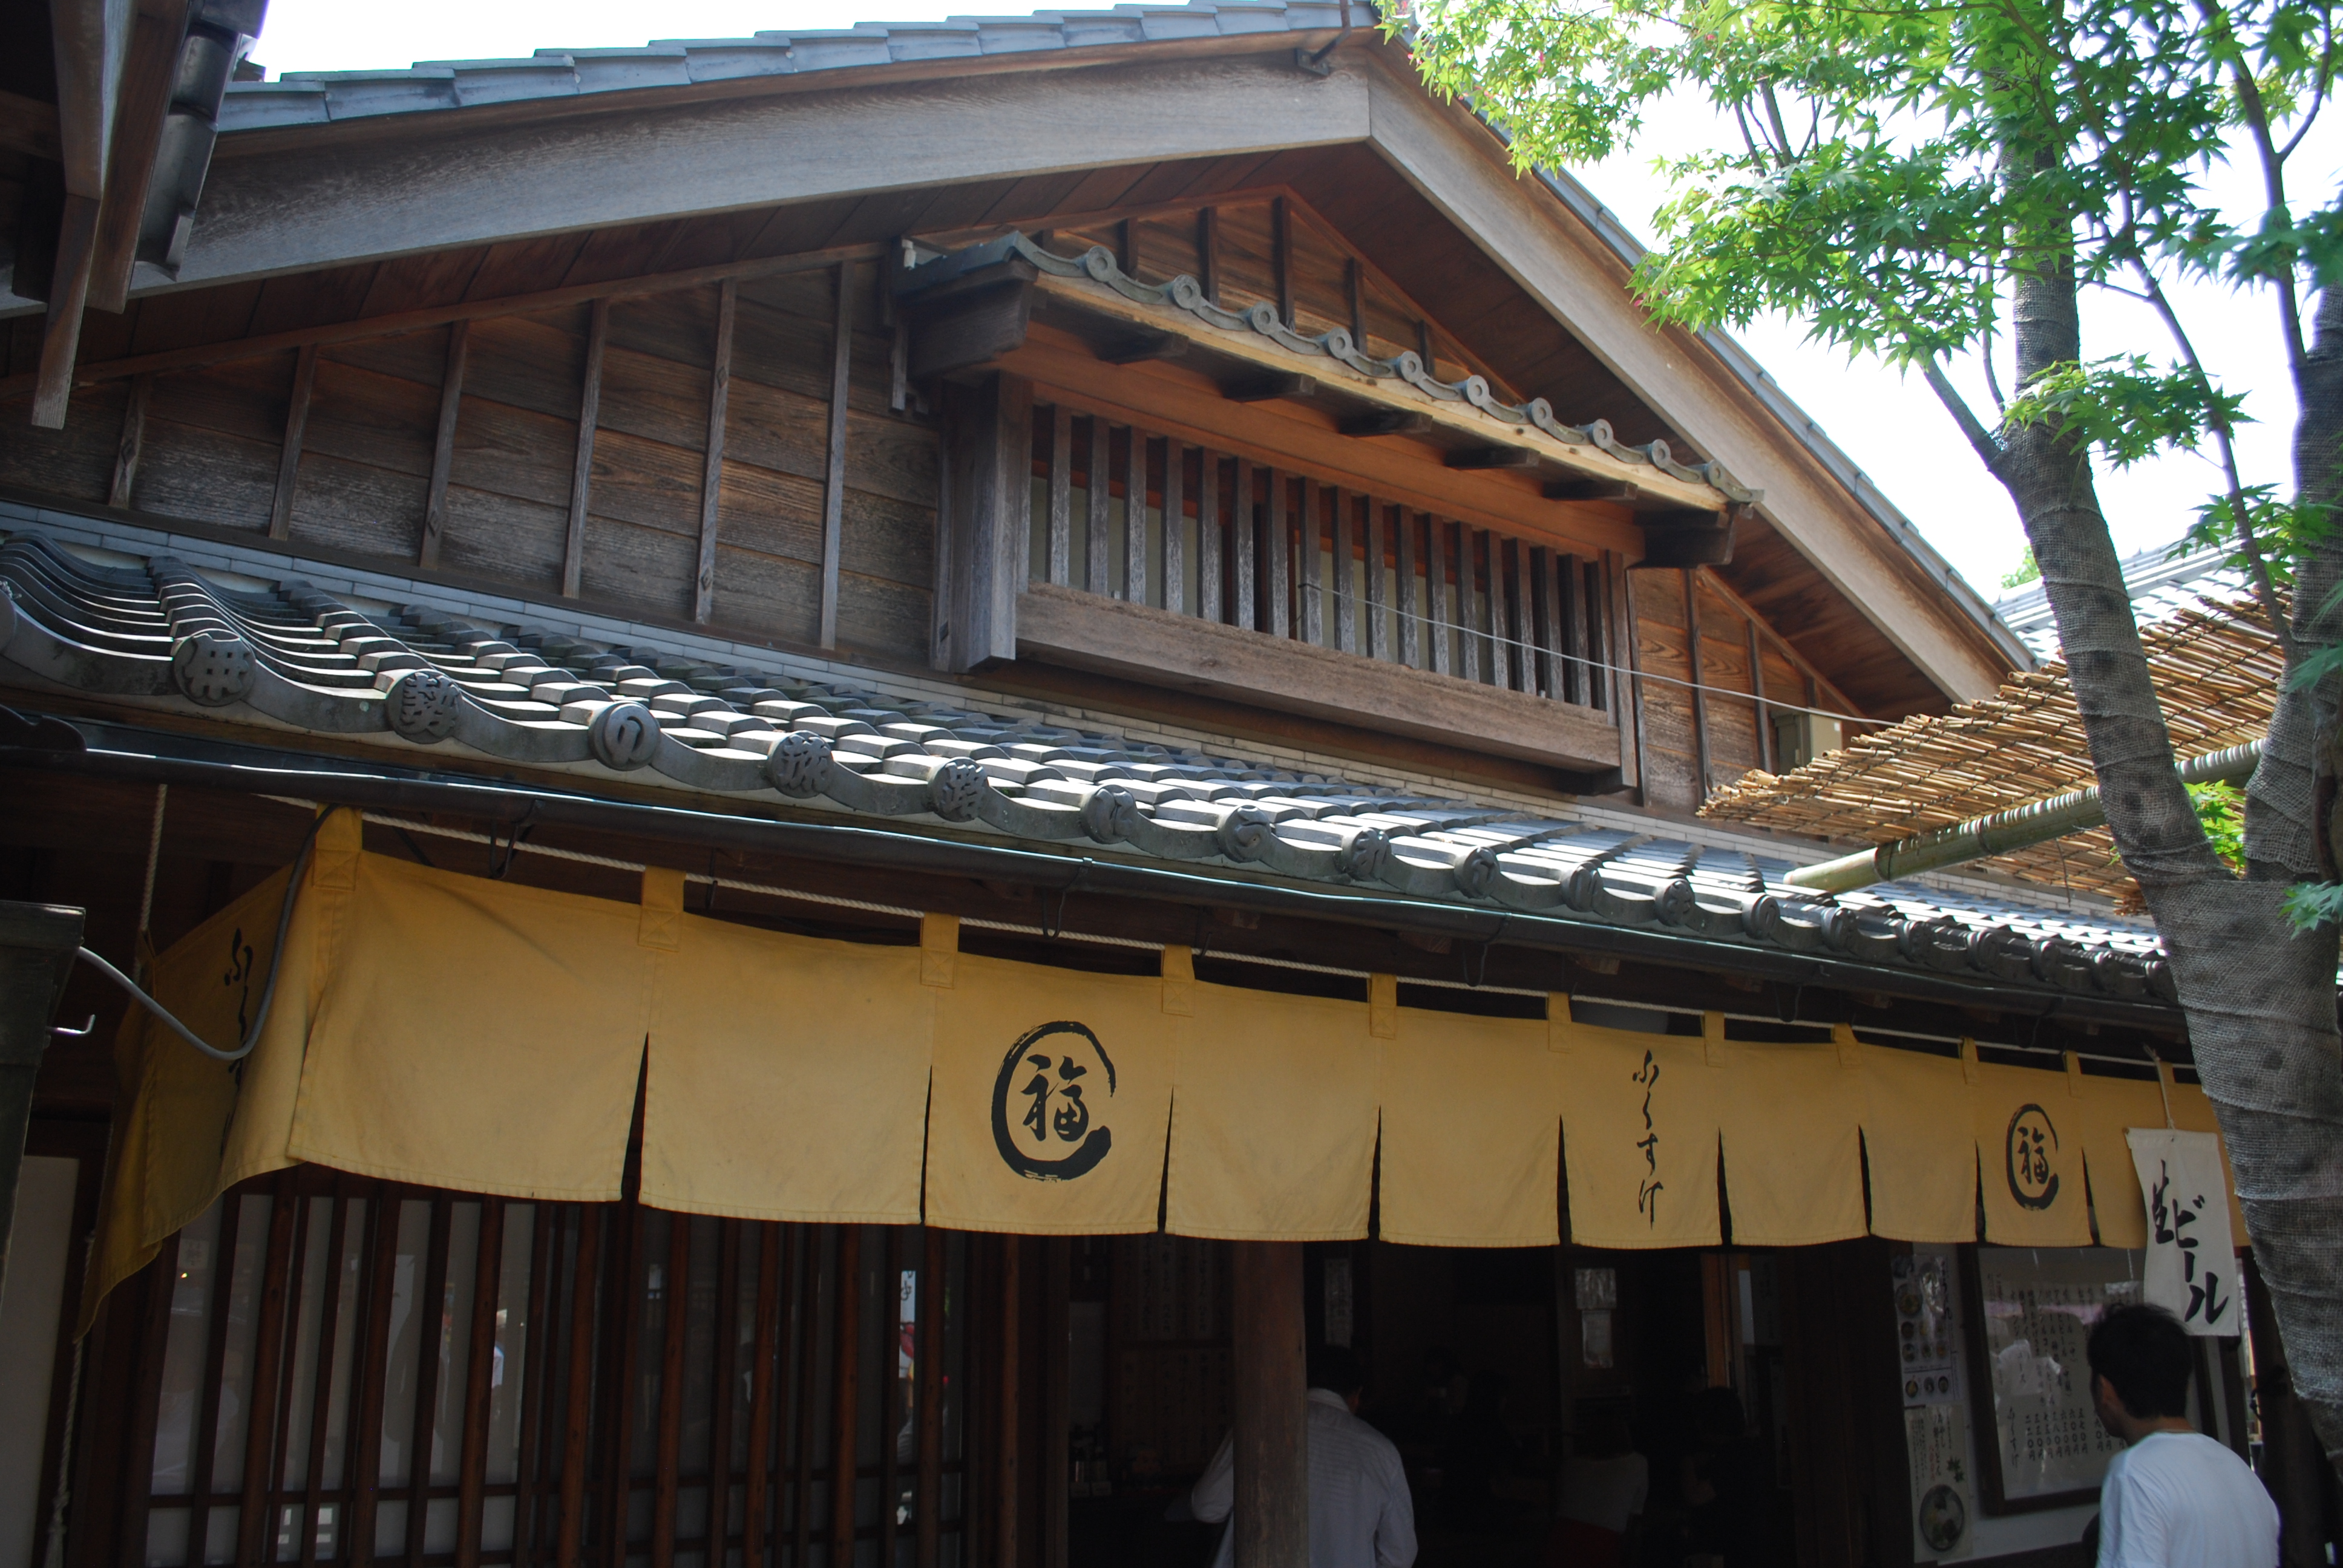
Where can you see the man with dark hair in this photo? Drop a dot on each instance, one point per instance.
(1361, 1515)
(2172, 1498)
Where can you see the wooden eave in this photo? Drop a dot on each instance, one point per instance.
(1340, 391)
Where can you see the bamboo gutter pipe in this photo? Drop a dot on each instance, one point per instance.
(1999, 832)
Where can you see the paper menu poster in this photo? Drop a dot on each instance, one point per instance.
(1928, 1324)
(1943, 1503)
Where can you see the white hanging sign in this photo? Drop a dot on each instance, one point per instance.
(2192, 1265)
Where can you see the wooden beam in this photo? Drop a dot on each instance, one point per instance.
(368, 328)
(1354, 292)
(833, 484)
(158, 35)
(711, 486)
(1385, 422)
(88, 71)
(1271, 1521)
(581, 473)
(1147, 346)
(1819, 685)
(69, 292)
(1699, 695)
(1207, 252)
(1765, 713)
(1185, 653)
(1265, 388)
(443, 444)
(1280, 258)
(29, 126)
(134, 440)
(1513, 457)
(289, 457)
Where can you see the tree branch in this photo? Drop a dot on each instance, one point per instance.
(2265, 592)
(1980, 439)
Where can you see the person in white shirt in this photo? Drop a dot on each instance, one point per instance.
(2173, 1498)
(1361, 1515)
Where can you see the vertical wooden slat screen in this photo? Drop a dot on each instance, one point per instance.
(756, 1520)
(1378, 610)
(846, 1381)
(808, 1324)
(1245, 527)
(1435, 573)
(551, 1221)
(1094, 496)
(1279, 542)
(669, 1428)
(577, 1413)
(927, 1363)
(148, 1392)
(1310, 600)
(1134, 514)
(322, 1387)
(1062, 495)
(207, 1407)
(720, 1371)
(1209, 554)
(1342, 589)
(251, 1516)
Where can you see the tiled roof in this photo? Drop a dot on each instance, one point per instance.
(318, 97)
(294, 658)
(2162, 585)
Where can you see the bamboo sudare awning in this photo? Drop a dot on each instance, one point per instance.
(2216, 668)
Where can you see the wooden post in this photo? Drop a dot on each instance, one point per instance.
(69, 291)
(1271, 1521)
(1468, 608)
(1339, 587)
(1008, 1474)
(1207, 252)
(668, 1425)
(1436, 584)
(288, 461)
(255, 1543)
(723, 1367)
(134, 438)
(1699, 698)
(987, 524)
(847, 1381)
(711, 487)
(428, 1367)
(472, 1465)
(1057, 1415)
(1354, 289)
(443, 445)
(1625, 679)
(569, 1533)
(833, 486)
(1377, 644)
(1310, 600)
(1241, 544)
(581, 477)
(1764, 714)
(756, 1516)
(927, 1353)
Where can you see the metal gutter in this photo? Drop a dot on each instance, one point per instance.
(103, 750)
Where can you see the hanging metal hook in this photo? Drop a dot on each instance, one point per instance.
(62, 1032)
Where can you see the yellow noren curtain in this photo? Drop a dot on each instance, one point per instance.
(1273, 1119)
(2029, 1156)
(1471, 1131)
(1639, 1115)
(786, 1079)
(1049, 1098)
(1920, 1144)
(474, 1035)
(479, 1036)
(1791, 1116)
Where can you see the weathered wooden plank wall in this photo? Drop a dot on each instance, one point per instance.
(211, 447)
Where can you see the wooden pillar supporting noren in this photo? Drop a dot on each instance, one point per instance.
(1272, 1518)
(1007, 1473)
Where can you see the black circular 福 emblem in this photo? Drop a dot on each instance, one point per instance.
(2027, 1150)
(1065, 1081)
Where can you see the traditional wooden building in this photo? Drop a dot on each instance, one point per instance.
(870, 759)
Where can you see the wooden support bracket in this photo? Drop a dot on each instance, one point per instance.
(1513, 457)
(1269, 387)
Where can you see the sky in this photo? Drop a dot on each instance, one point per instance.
(1890, 426)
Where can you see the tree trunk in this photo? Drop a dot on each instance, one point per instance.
(2259, 1000)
